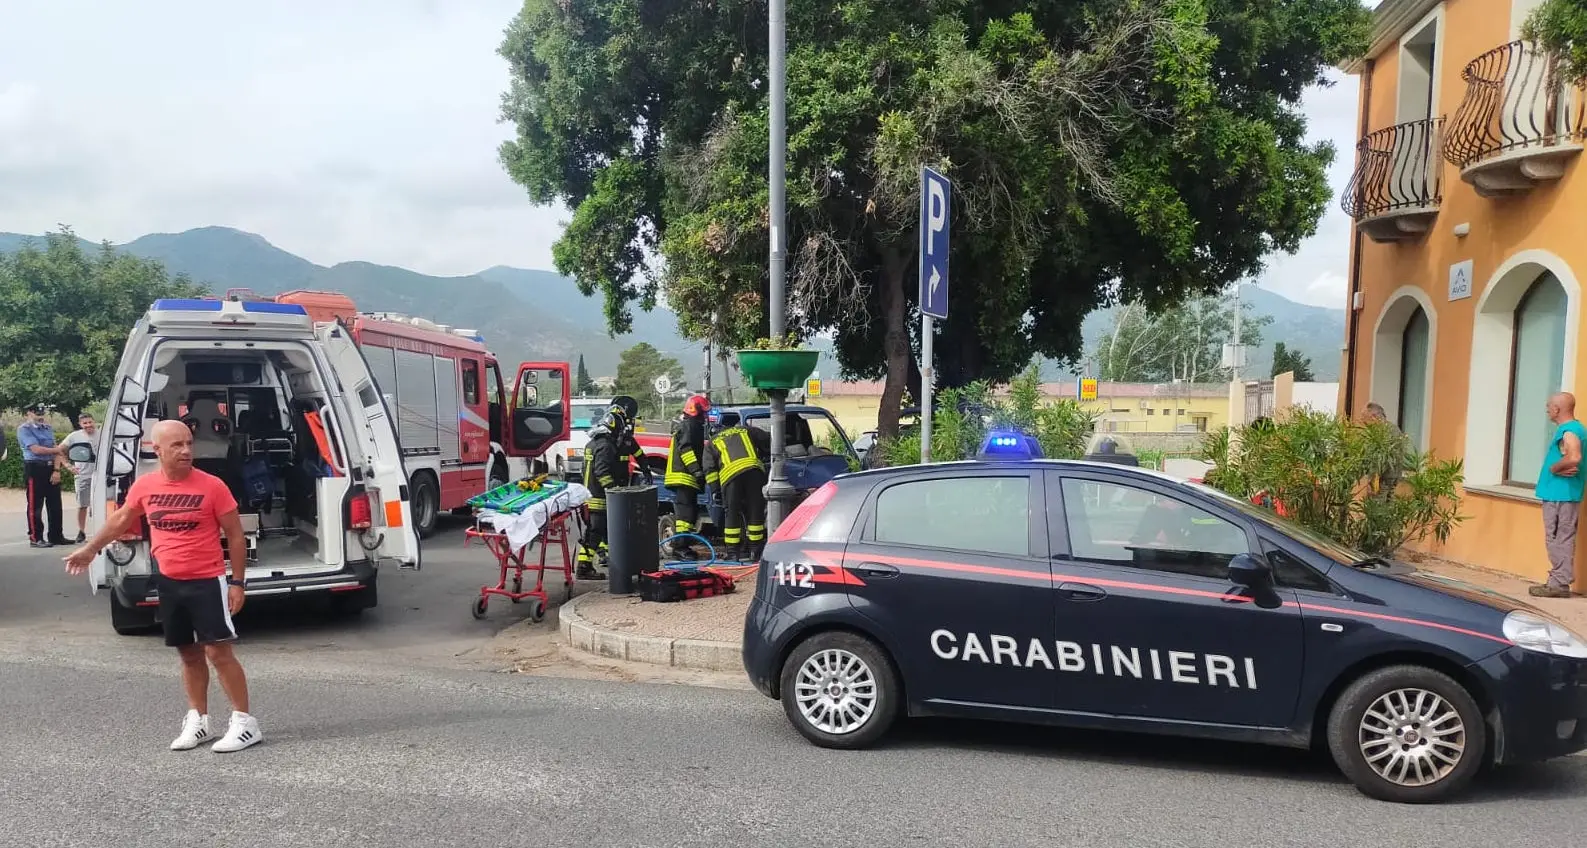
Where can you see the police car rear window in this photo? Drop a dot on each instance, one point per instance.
(985, 514)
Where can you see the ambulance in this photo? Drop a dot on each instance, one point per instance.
(287, 413)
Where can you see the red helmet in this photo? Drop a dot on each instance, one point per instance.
(697, 405)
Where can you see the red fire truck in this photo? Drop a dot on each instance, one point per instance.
(460, 433)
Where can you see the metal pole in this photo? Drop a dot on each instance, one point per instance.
(925, 387)
(778, 493)
(1239, 350)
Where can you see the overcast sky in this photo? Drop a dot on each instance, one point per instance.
(340, 130)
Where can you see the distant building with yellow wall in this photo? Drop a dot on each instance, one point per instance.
(1120, 407)
(1470, 210)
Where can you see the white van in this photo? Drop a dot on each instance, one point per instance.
(286, 413)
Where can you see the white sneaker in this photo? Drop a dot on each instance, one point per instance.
(195, 729)
(243, 731)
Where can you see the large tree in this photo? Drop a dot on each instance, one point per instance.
(67, 313)
(1102, 151)
(1287, 360)
(583, 384)
(637, 370)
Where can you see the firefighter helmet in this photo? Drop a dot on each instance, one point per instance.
(697, 405)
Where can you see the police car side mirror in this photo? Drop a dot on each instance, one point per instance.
(80, 453)
(1249, 571)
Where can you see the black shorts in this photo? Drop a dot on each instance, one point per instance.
(195, 611)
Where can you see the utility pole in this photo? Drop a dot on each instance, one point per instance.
(778, 493)
(1239, 350)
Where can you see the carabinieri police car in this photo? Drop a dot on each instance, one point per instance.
(1102, 596)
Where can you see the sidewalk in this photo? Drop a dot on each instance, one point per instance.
(703, 634)
(1572, 612)
(706, 634)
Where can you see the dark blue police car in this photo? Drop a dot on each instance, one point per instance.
(1098, 595)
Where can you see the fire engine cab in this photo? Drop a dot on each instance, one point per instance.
(461, 433)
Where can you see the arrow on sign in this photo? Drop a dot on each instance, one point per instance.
(936, 280)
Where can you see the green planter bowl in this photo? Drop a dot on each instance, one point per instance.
(777, 369)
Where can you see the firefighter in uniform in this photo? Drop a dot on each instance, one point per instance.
(601, 472)
(736, 464)
(627, 446)
(685, 475)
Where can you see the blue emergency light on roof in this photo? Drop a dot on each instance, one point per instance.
(173, 312)
(1008, 446)
(196, 304)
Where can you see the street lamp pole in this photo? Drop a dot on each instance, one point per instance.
(778, 493)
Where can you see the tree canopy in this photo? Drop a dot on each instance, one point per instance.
(1184, 343)
(1561, 26)
(583, 384)
(1285, 360)
(67, 314)
(637, 370)
(1102, 151)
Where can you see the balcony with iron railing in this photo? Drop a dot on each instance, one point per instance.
(1395, 190)
(1520, 122)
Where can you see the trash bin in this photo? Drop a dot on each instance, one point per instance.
(632, 546)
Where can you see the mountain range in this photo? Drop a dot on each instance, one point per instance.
(527, 314)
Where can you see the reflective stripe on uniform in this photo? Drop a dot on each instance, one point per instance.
(737, 452)
(597, 504)
(679, 462)
(757, 532)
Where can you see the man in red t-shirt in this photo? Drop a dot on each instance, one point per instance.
(187, 511)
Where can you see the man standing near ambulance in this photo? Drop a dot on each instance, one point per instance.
(187, 510)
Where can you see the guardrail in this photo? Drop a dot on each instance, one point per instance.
(1396, 168)
(1515, 99)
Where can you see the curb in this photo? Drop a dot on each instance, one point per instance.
(694, 654)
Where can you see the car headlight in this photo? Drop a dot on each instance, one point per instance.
(1536, 633)
(119, 552)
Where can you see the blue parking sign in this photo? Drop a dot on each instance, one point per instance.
(936, 195)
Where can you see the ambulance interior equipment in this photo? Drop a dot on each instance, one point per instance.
(262, 423)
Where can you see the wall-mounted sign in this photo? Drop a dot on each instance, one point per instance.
(1460, 280)
(1086, 388)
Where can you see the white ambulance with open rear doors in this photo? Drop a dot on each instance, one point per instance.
(285, 412)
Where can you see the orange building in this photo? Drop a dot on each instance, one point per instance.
(1470, 208)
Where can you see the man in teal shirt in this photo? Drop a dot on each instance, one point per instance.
(1559, 487)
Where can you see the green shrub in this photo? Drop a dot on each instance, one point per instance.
(962, 417)
(11, 473)
(1337, 478)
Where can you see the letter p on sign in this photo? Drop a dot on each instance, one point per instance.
(936, 193)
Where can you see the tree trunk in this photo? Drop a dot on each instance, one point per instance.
(895, 343)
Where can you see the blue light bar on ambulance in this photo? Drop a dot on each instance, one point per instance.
(195, 304)
(194, 312)
(1008, 446)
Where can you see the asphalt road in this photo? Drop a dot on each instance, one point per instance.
(382, 731)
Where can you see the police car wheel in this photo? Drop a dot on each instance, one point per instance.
(1407, 734)
(840, 690)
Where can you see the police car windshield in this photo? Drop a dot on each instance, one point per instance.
(1336, 551)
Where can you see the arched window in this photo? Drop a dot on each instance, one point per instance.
(1537, 367)
(1414, 352)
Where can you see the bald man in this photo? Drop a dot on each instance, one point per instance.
(1559, 487)
(187, 511)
